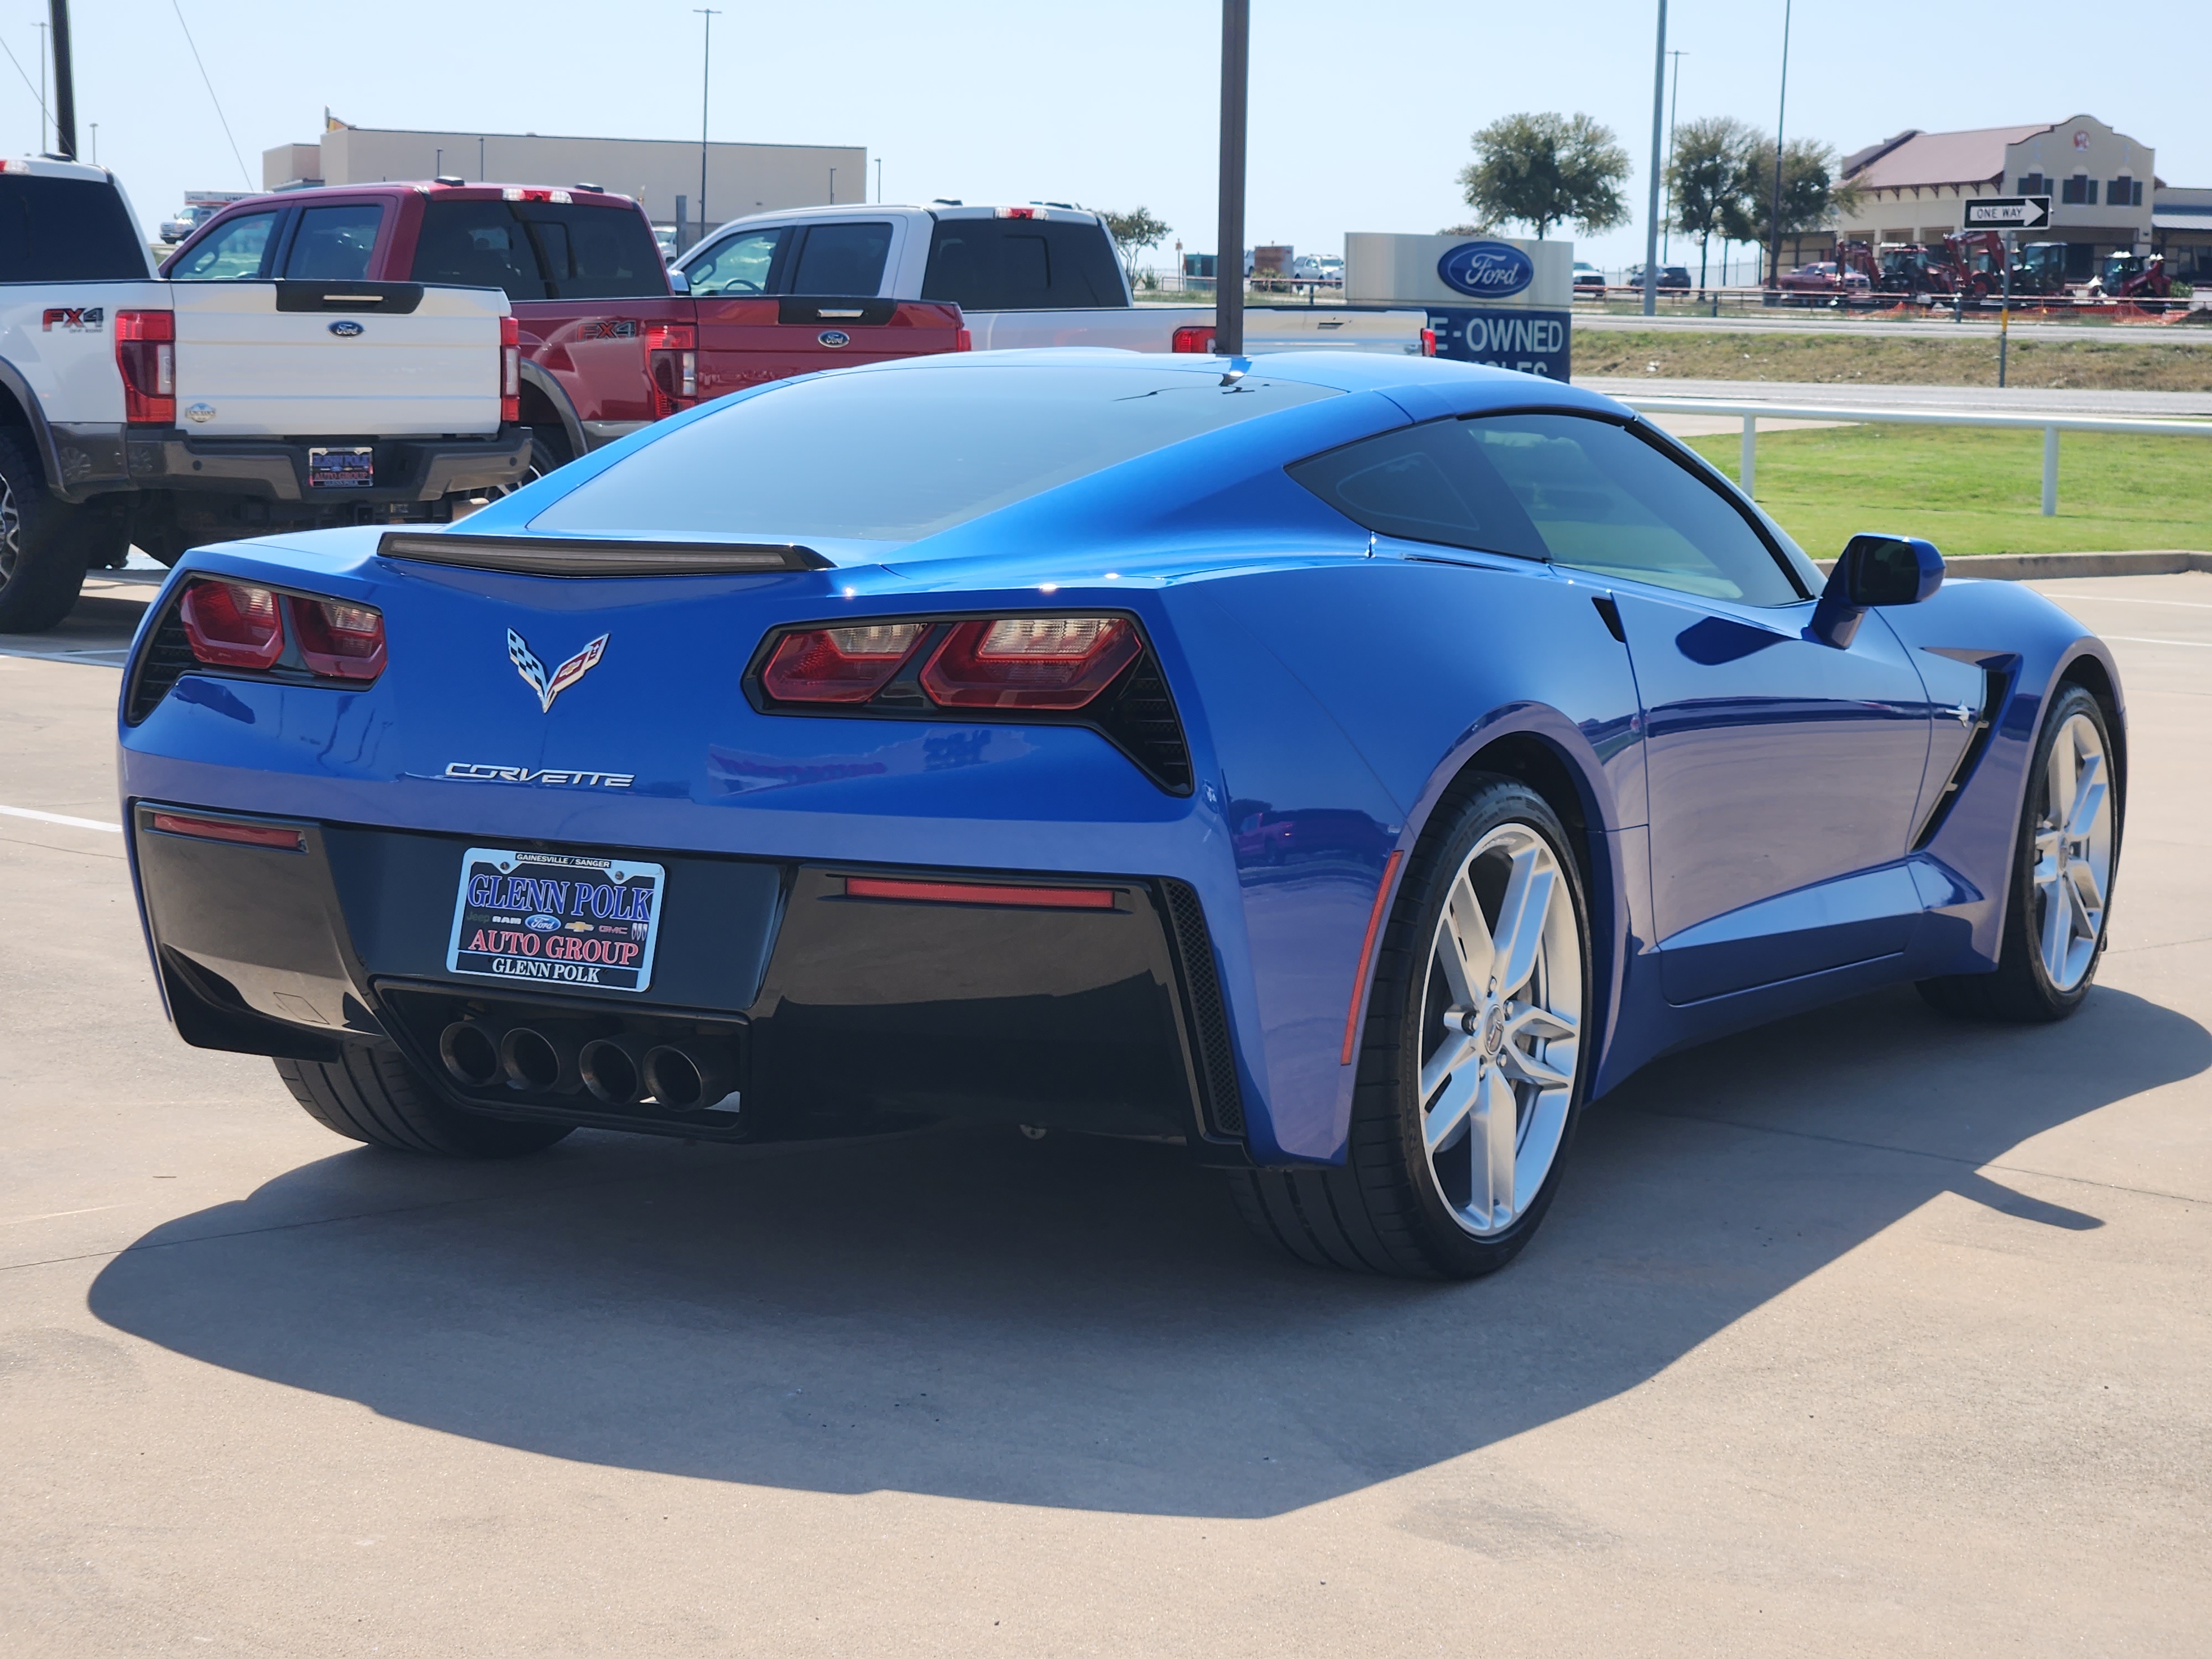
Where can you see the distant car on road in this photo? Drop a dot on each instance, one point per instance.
(1670, 276)
(1589, 276)
(1822, 282)
(188, 220)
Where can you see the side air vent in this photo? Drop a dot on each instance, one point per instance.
(1995, 683)
(168, 658)
(1142, 719)
(579, 556)
(1222, 1100)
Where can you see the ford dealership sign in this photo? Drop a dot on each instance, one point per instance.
(1486, 271)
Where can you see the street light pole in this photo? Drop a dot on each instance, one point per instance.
(1674, 120)
(1228, 263)
(1782, 105)
(705, 67)
(64, 82)
(1651, 214)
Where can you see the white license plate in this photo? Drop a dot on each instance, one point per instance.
(556, 919)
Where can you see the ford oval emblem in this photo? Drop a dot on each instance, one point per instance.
(1488, 271)
(345, 328)
(541, 923)
(200, 414)
(834, 338)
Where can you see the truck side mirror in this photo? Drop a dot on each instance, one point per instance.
(678, 282)
(1874, 570)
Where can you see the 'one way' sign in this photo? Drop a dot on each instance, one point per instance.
(2008, 213)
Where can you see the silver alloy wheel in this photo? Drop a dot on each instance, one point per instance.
(2073, 853)
(11, 534)
(1501, 1024)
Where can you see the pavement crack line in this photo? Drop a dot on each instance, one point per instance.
(1915, 1151)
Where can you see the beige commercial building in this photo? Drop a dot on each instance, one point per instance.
(1913, 187)
(663, 174)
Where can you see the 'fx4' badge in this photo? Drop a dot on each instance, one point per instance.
(549, 686)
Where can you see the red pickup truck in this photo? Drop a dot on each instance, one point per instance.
(609, 343)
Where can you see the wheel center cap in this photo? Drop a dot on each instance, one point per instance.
(1493, 1032)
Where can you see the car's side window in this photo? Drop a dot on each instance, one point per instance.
(842, 259)
(1606, 501)
(1569, 488)
(334, 243)
(739, 265)
(232, 252)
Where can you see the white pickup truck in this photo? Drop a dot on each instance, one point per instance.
(1034, 276)
(173, 413)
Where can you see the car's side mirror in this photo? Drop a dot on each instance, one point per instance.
(678, 282)
(1874, 570)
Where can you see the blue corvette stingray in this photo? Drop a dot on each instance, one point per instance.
(1347, 766)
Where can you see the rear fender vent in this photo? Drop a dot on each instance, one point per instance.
(166, 659)
(1140, 718)
(1214, 1055)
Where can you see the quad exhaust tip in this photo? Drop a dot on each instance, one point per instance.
(620, 1072)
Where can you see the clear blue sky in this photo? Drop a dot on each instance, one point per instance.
(1360, 113)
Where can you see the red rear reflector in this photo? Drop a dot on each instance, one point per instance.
(345, 641)
(1367, 956)
(1030, 662)
(1195, 336)
(961, 892)
(1428, 343)
(245, 834)
(966, 342)
(233, 624)
(146, 356)
(840, 664)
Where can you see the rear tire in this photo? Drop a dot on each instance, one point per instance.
(2027, 987)
(373, 1095)
(1471, 1082)
(44, 543)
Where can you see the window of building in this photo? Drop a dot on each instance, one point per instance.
(2081, 190)
(2033, 184)
(2124, 191)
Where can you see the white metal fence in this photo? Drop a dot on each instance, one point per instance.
(2051, 425)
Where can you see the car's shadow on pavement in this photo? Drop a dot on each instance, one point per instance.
(1083, 1323)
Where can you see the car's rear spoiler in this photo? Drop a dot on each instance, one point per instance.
(576, 555)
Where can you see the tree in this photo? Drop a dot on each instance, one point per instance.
(1134, 232)
(1543, 170)
(1705, 181)
(1810, 195)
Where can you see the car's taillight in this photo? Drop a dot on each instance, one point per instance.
(233, 624)
(345, 641)
(146, 357)
(510, 369)
(1428, 343)
(840, 664)
(1030, 662)
(1195, 336)
(672, 351)
(965, 343)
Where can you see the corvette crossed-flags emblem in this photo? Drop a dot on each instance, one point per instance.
(549, 686)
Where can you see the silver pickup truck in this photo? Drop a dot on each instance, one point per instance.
(1034, 276)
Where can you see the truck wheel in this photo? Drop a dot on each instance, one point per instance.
(373, 1095)
(43, 549)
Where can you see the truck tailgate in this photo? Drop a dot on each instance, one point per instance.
(306, 359)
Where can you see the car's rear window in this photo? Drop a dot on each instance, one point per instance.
(65, 230)
(1022, 265)
(896, 454)
(540, 250)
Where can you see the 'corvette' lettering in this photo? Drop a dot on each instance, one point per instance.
(553, 777)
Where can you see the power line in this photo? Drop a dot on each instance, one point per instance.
(245, 177)
(28, 88)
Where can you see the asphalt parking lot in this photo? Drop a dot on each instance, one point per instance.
(1867, 1333)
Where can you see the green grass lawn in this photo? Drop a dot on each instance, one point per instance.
(1974, 490)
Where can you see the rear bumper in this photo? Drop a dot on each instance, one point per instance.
(275, 469)
(836, 1006)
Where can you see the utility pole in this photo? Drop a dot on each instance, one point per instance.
(1774, 220)
(705, 65)
(1674, 120)
(44, 107)
(880, 181)
(1651, 214)
(64, 83)
(833, 188)
(1228, 263)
